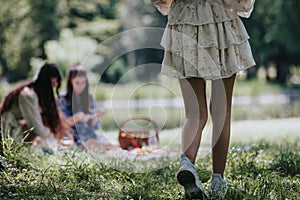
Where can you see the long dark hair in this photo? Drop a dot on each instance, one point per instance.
(43, 88)
(82, 101)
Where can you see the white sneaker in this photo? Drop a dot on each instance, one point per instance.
(217, 185)
(187, 177)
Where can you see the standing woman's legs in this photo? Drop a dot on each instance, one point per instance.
(194, 96)
(220, 109)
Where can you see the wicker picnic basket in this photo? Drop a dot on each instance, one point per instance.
(138, 134)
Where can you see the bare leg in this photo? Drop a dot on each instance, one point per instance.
(220, 108)
(194, 96)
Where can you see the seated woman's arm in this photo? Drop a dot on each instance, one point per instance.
(29, 107)
(66, 114)
(66, 127)
(95, 114)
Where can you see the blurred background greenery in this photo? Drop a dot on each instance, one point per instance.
(65, 32)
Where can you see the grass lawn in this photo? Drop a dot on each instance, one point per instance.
(263, 163)
(243, 132)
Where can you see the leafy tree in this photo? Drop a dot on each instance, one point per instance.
(91, 21)
(28, 27)
(92, 18)
(138, 14)
(25, 26)
(285, 31)
(274, 31)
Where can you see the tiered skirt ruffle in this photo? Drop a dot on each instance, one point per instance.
(205, 39)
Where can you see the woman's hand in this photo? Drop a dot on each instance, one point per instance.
(168, 2)
(160, 2)
(163, 5)
(98, 113)
(81, 117)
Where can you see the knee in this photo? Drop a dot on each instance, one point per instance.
(202, 117)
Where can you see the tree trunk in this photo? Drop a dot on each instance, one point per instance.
(282, 73)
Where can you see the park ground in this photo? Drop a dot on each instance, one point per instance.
(263, 163)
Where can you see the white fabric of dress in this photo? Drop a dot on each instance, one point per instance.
(206, 38)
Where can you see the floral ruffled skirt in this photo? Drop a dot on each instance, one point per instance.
(205, 38)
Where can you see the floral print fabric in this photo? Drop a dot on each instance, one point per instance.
(206, 38)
